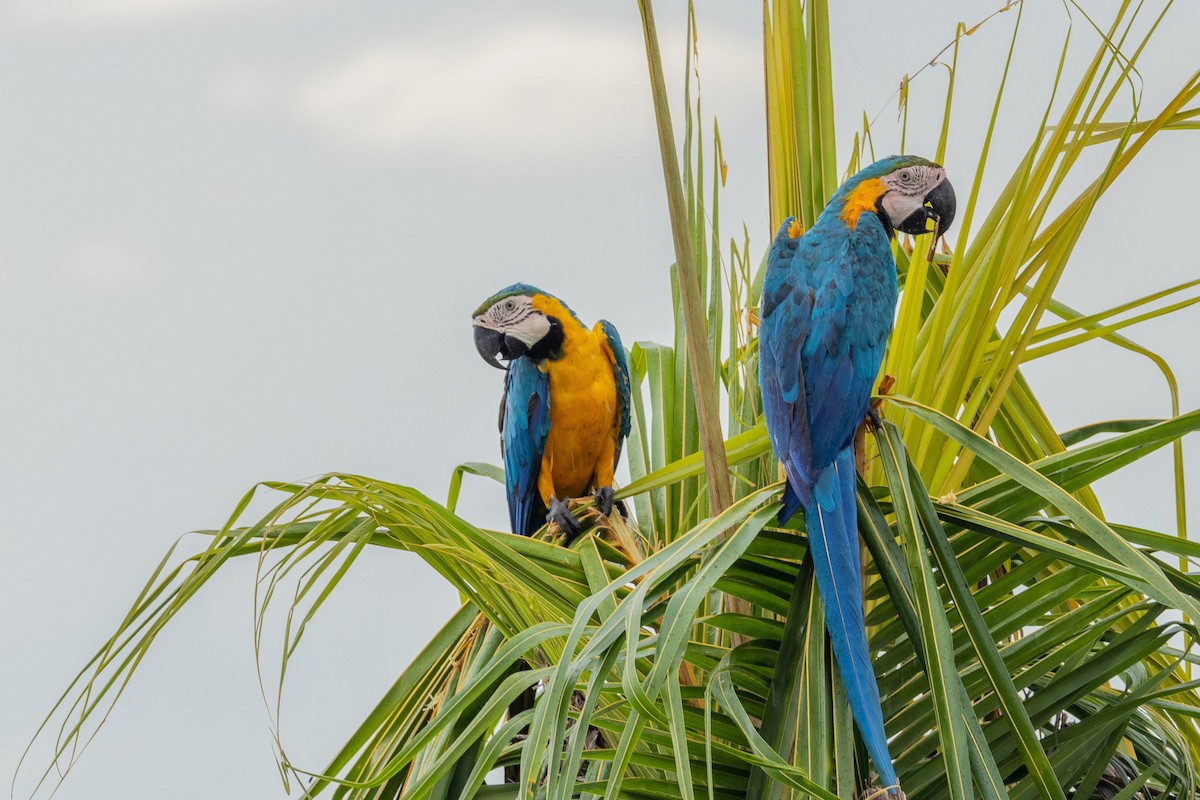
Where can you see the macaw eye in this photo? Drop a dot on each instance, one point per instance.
(510, 305)
(905, 176)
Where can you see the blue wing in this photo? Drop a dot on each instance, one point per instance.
(827, 307)
(621, 373)
(787, 304)
(853, 281)
(524, 426)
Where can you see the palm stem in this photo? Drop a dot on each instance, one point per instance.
(704, 379)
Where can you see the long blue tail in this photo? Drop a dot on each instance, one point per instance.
(832, 523)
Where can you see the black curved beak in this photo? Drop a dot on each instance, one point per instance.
(489, 343)
(944, 205)
(940, 206)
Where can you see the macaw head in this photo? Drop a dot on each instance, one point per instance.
(518, 320)
(905, 192)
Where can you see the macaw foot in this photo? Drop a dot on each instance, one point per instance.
(874, 410)
(561, 516)
(873, 791)
(604, 500)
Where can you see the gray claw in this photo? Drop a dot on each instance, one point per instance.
(604, 500)
(561, 516)
(874, 418)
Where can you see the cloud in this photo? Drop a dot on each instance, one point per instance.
(532, 89)
(109, 263)
(244, 89)
(106, 14)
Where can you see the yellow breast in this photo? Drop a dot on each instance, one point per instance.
(583, 408)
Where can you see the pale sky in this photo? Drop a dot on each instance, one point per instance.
(241, 241)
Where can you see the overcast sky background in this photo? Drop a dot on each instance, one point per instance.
(241, 240)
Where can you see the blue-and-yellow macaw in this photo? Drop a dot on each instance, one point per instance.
(828, 302)
(565, 413)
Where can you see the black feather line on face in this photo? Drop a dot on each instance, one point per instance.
(529, 312)
(502, 318)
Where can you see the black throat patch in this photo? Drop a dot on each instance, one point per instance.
(550, 345)
(888, 227)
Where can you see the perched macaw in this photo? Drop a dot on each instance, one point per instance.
(828, 302)
(565, 412)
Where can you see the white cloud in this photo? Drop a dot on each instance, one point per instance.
(243, 89)
(533, 89)
(110, 263)
(100, 14)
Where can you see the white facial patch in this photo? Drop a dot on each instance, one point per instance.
(516, 317)
(531, 329)
(907, 188)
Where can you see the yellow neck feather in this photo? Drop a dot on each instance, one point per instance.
(552, 307)
(863, 197)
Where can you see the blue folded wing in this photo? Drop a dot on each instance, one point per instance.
(621, 374)
(853, 283)
(787, 303)
(828, 301)
(525, 424)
